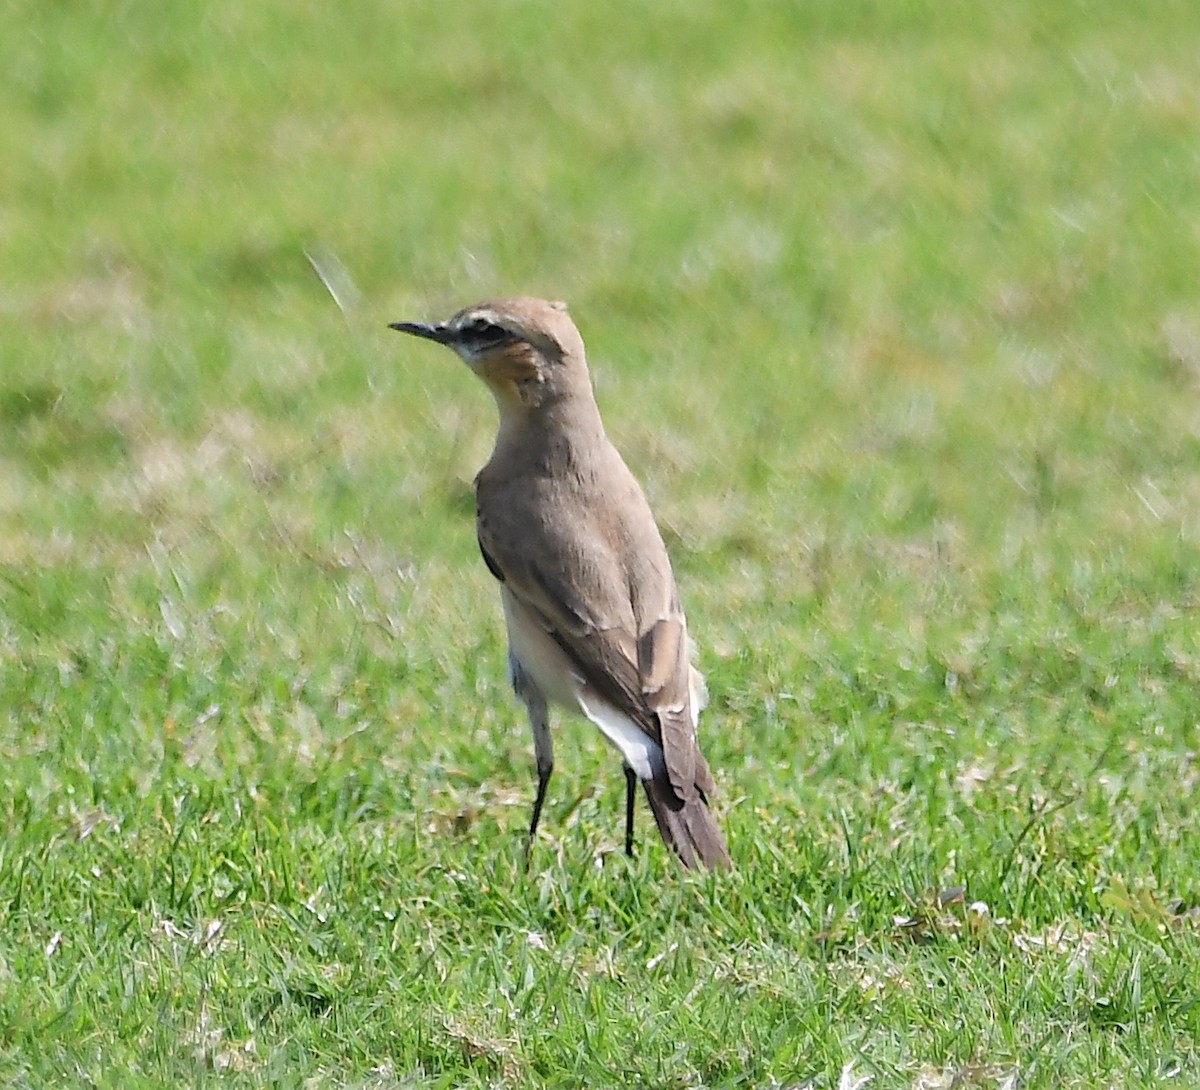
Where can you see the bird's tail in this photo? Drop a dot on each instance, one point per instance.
(687, 826)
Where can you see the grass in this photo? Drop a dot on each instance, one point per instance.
(893, 310)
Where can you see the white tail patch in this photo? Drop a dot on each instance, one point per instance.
(641, 752)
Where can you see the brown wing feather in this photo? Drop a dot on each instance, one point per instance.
(666, 685)
(605, 656)
(664, 713)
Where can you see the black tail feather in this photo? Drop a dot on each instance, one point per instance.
(687, 826)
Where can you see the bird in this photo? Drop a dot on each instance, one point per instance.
(593, 615)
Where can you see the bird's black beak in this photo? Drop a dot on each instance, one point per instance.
(429, 331)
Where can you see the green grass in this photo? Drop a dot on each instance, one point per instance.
(894, 310)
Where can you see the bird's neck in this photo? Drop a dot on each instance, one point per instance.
(561, 433)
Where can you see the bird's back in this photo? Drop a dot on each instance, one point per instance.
(583, 519)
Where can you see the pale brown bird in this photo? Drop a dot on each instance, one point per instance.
(594, 619)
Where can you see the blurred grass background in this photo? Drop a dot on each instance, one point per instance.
(894, 310)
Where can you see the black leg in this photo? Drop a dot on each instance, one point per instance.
(543, 749)
(544, 771)
(630, 788)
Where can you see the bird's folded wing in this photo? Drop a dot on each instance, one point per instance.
(647, 678)
(605, 652)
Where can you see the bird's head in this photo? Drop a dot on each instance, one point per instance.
(527, 350)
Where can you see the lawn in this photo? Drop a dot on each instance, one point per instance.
(895, 311)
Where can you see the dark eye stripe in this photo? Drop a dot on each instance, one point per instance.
(483, 332)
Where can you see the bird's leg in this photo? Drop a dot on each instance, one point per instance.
(544, 771)
(630, 789)
(543, 749)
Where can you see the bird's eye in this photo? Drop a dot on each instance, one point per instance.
(486, 332)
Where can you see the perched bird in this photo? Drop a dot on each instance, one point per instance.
(594, 619)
